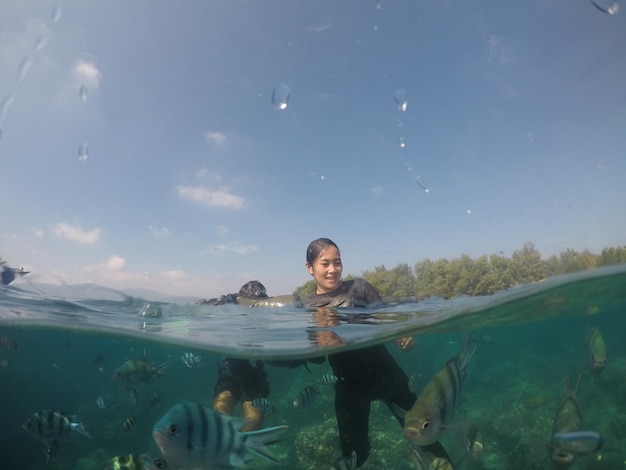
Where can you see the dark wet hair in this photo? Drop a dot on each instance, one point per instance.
(253, 289)
(316, 247)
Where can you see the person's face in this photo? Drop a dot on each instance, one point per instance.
(326, 270)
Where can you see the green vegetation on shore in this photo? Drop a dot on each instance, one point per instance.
(477, 276)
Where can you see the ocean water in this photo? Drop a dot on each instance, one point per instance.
(530, 340)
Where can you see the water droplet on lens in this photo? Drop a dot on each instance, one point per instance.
(422, 184)
(42, 40)
(6, 103)
(401, 142)
(83, 93)
(401, 99)
(83, 152)
(57, 12)
(280, 96)
(23, 68)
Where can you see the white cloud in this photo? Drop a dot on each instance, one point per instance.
(377, 191)
(159, 232)
(222, 230)
(87, 74)
(77, 234)
(498, 52)
(234, 247)
(115, 263)
(174, 274)
(211, 198)
(218, 138)
(39, 233)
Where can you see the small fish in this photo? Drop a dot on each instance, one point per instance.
(139, 370)
(567, 419)
(52, 451)
(473, 447)
(327, 379)
(136, 462)
(614, 8)
(486, 339)
(99, 360)
(6, 342)
(263, 404)
(101, 403)
(345, 463)
(154, 400)
(192, 360)
(435, 406)
(4, 363)
(596, 350)
(194, 435)
(429, 461)
(49, 424)
(132, 392)
(129, 423)
(306, 396)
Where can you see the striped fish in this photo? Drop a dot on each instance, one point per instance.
(6, 342)
(263, 404)
(567, 418)
(306, 396)
(139, 370)
(435, 406)
(194, 435)
(52, 451)
(596, 350)
(129, 423)
(50, 424)
(327, 379)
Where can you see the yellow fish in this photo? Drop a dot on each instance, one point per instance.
(139, 370)
(435, 406)
(596, 350)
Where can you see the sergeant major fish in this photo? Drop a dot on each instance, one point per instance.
(596, 350)
(139, 370)
(50, 424)
(136, 462)
(306, 396)
(435, 406)
(194, 435)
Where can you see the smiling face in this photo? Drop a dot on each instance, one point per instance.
(326, 270)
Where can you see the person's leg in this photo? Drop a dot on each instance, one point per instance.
(352, 410)
(224, 402)
(253, 415)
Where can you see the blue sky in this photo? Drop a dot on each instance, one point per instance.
(140, 145)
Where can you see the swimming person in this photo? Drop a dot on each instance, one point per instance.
(241, 380)
(365, 374)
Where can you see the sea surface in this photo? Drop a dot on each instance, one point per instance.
(531, 340)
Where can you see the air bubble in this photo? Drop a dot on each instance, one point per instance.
(401, 142)
(401, 99)
(83, 152)
(280, 96)
(82, 93)
(422, 184)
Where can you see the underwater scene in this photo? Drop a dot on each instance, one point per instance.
(85, 380)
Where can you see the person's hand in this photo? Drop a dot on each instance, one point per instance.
(406, 343)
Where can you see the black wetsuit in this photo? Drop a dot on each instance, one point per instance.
(245, 379)
(364, 375)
